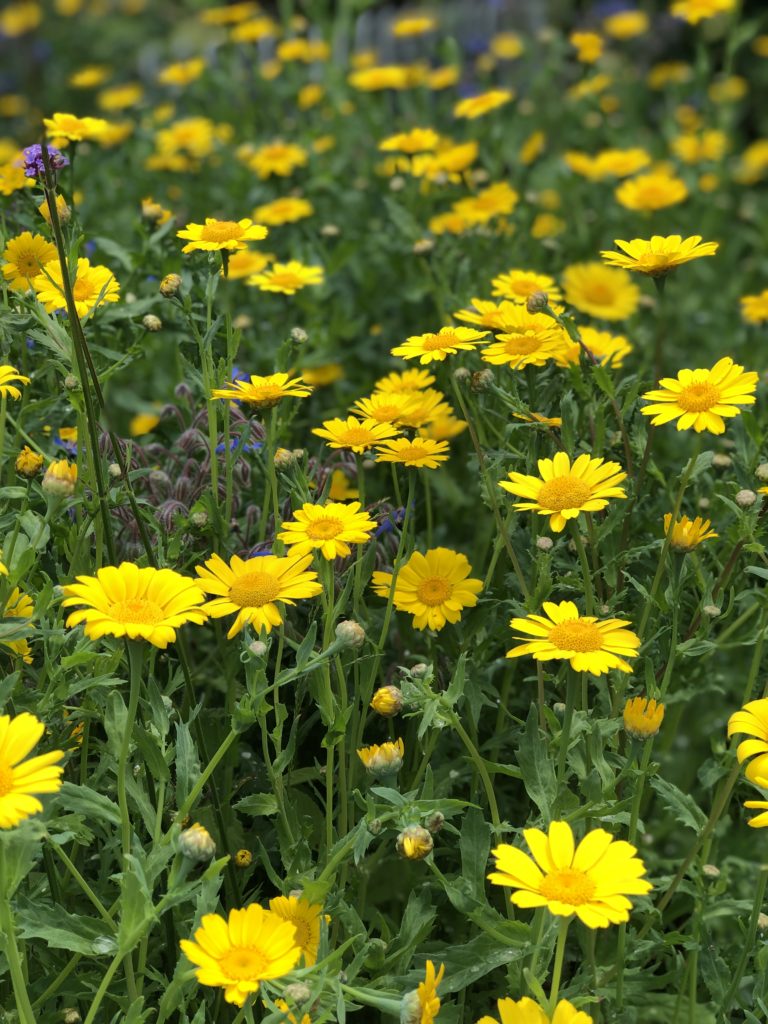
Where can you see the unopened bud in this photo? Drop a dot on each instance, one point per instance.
(243, 858)
(544, 543)
(258, 648)
(199, 519)
(242, 322)
(60, 478)
(350, 633)
(423, 245)
(462, 375)
(537, 302)
(481, 381)
(762, 471)
(152, 323)
(710, 871)
(745, 498)
(329, 230)
(196, 843)
(711, 611)
(387, 701)
(284, 458)
(704, 503)
(170, 285)
(414, 843)
(114, 471)
(71, 1016)
(762, 922)
(721, 461)
(71, 383)
(297, 993)
(397, 183)
(435, 822)
(374, 826)
(420, 670)
(299, 335)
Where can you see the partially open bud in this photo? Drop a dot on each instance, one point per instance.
(387, 701)
(170, 285)
(414, 843)
(643, 717)
(243, 858)
(195, 842)
(384, 759)
(284, 458)
(350, 633)
(60, 478)
(721, 461)
(28, 463)
(537, 302)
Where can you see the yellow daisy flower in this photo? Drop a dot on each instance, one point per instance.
(476, 106)
(354, 434)
(18, 606)
(687, 533)
(600, 291)
(754, 308)
(407, 26)
(25, 256)
(280, 158)
(694, 11)
(21, 780)
(424, 407)
(426, 993)
(700, 399)
(323, 375)
(13, 178)
(124, 600)
(421, 452)
(566, 489)
(642, 717)
(75, 129)
(388, 406)
(246, 263)
(329, 529)
(443, 428)
(404, 380)
(525, 1011)
(518, 285)
(263, 392)
(9, 374)
(658, 255)
(654, 191)
(434, 587)
(486, 313)
(591, 880)
(305, 917)
(626, 24)
(383, 759)
(182, 72)
(608, 349)
(252, 945)
(215, 235)
(416, 140)
(253, 588)
(537, 417)
(528, 339)
(431, 347)
(589, 46)
(287, 278)
(752, 720)
(287, 210)
(589, 644)
(91, 287)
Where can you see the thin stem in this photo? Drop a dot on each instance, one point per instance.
(197, 789)
(103, 989)
(480, 765)
(749, 943)
(8, 929)
(90, 894)
(135, 663)
(557, 970)
(589, 594)
(565, 732)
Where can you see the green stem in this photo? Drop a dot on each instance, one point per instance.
(748, 944)
(565, 732)
(103, 989)
(90, 894)
(8, 929)
(589, 594)
(197, 789)
(557, 970)
(135, 663)
(480, 765)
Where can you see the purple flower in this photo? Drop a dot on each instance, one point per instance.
(33, 160)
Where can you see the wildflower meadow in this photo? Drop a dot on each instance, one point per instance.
(383, 512)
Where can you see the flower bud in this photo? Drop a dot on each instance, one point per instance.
(284, 458)
(745, 498)
(242, 322)
(257, 648)
(544, 543)
(170, 285)
(384, 759)
(195, 842)
(414, 843)
(299, 335)
(114, 471)
(710, 871)
(60, 478)
(71, 383)
(387, 701)
(481, 381)
(721, 461)
(762, 922)
(243, 858)
(462, 375)
(762, 472)
(297, 993)
(711, 611)
(643, 717)
(435, 822)
(422, 246)
(71, 1015)
(199, 519)
(350, 633)
(374, 826)
(28, 463)
(537, 302)
(65, 214)
(420, 670)
(704, 503)
(330, 230)
(152, 323)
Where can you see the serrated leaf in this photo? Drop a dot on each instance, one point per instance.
(537, 768)
(258, 805)
(682, 805)
(61, 930)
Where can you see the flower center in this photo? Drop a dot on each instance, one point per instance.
(324, 529)
(137, 611)
(576, 635)
(698, 397)
(434, 591)
(286, 279)
(254, 589)
(244, 964)
(599, 293)
(412, 452)
(568, 886)
(264, 397)
(563, 492)
(357, 435)
(438, 341)
(522, 343)
(655, 261)
(81, 290)
(6, 780)
(221, 231)
(28, 264)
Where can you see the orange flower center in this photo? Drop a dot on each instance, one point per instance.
(6, 780)
(221, 231)
(523, 343)
(434, 591)
(432, 342)
(27, 264)
(81, 289)
(698, 397)
(137, 611)
(356, 435)
(412, 452)
(244, 964)
(324, 529)
(285, 279)
(564, 492)
(599, 292)
(254, 589)
(568, 886)
(576, 635)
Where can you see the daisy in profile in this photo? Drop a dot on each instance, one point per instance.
(287, 278)
(526, 1011)
(434, 587)
(431, 347)
(23, 777)
(383, 759)
(140, 604)
(329, 529)
(237, 953)
(563, 490)
(687, 533)
(252, 590)
(702, 399)
(658, 255)
(591, 881)
(589, 644)
(483, 103)
(421, 452)
(217, 235)
(354, 434)
(262, 393)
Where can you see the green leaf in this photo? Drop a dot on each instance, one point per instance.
(538, 771)
(92, 805)
(682, 805)
(61, 930)
(136, 910)
(258, 805)
(186, 761)
(475, 846)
